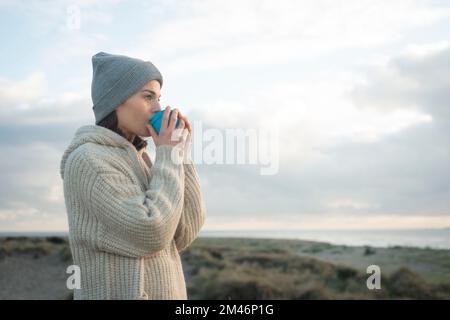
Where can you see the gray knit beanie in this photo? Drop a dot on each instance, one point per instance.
(117, 77)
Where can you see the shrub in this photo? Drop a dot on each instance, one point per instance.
(369, 251)
(405, 284)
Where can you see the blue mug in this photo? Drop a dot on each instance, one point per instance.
(156, 121)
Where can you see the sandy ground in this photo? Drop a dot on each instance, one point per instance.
(25, 276)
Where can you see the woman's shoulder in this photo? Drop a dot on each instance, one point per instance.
(98, 158)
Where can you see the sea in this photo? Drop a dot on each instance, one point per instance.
(421, 238)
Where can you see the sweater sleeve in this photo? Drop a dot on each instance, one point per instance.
(135, 223)
(193, 216)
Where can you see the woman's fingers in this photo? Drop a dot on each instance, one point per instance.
(187, 125)
(171, 133)
(165, 118)
(185, 134)
(173, 118)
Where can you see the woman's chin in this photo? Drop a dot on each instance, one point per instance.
(144, 133)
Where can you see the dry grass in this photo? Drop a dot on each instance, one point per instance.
(246, 272)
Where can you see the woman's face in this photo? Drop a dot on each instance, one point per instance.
(138, 109)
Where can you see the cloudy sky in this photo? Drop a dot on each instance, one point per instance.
(360, 89)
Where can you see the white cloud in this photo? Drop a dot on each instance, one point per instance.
(314, 114)
(31, 194)
(294, 221)
(350, 203)
(211, 35)
(424, 50)
(29, 220)
(336, 153)
(73, 48)
(417, 79)
(29, 101)
(22, 93)
(12, 215)
(56, 194)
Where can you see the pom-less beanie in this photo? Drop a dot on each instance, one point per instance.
(117, 77)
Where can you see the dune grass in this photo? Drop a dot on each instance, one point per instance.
(274, 269)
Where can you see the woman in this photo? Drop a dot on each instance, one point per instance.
(128, 217)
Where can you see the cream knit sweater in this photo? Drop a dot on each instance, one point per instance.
(129, 218)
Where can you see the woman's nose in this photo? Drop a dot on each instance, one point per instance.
(157, 106)
(156, 110)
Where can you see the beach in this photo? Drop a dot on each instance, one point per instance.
(247, 268)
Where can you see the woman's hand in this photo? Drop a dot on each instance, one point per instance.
(187, 138)
(169, 134)
(186, 122)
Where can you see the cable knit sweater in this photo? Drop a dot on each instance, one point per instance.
(129, 218)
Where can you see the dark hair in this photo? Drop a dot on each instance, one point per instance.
(111, 122)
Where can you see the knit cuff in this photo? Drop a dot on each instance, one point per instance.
(187, 158)
(166, 152)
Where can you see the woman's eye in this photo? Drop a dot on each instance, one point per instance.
(151, 97)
